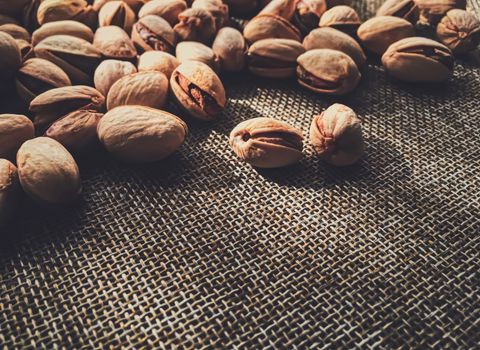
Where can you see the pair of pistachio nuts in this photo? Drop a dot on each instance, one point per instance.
(335, 134)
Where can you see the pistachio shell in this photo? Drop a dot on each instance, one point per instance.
(15, 129)
(459, 30)
(230, 47)
(152, 32)
(216, 7)
(16, 31)
(58, 10)
(109, 71)
(341, 17)
(116, 13)
(158, 61)
(9, 191)
(269, 26)
(10, 57)
(195, 25)
(66, 27)
(114, 42)
(406, 9)
(195, 51)
(431, 11)
(307, 14)
(167, 9)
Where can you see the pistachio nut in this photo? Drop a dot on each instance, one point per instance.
(432, 11)
(406, 9)
(167, 9)
(274, 58)
(269, 26)
(195, 25)
(230, 47)
(47, 171)
(217, 8)
(10, 191)
(267, 143)
(343, 18)
(418, 59)
(12, 8)
(15, 129)
(158, 61)
(242, 7)
(331, 38)
(116, 13)
(148, 89)
(135, 5)
(141, 134)
(152, 32)
(378, 33)
(54, 104)
(66, 27)
(195, 51)
(114, 42)
(59, 10)
(17, 32)
(109, 71)
(198, 90)
(459, 30)
(77, 57)
(76, 131)
(336, 135)
(281, 8)
(36, 76)
(307, 14)
(327, 71)
(10, 58)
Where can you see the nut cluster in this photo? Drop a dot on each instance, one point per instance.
(97, 72)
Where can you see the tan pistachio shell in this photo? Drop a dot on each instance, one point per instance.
(156, 26)
(281, 8)
(195, 24)
(10, 192)
(341, 15)
(195, 51)
(432, 11)
(10, 57)
(58, 10)
(459, 30)
(217, 8)
(167, 9)
(109, 71)
(113, 42)
(270, 26)
(117, 13)
(16, 31)
(230, 47)
(66, 27)
(406, 9)
(158, 61)
(15, 129)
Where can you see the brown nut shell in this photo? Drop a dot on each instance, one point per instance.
(116, 13)
(66, 27)
(195, 25)
(10, 192)
(153, 33)
(269, 26)
(432, 11)
(158, 61)
(195, 51)
(114, 42)
(10, 58)
(343, 18)
(59, 10)
(459, 30)
(281, 8)
(267, 143)
(307, 14)
(406, 9)
(217, 8)
(15, 129)
(230, 47)
(109, 71)
(16, 31)
(167, 9)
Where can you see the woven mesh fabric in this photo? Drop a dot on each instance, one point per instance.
(203, 251)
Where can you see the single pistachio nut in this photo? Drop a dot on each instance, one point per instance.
(195, 51)
(432, 11)
(217, 8)
(242, 7)
(117, 13)
(378, 33)
(198, 90)
(113, 42)
(331, 38)
(343, 18)
(77, 57)
(336, 135)
(16, 31)
(152, 32)
(281, 8)
(66, 27)
(76, 131)
(47, 171)
(418, 59)
(59, 10)
(148, 89)
(10, 58)
(230, 47)
(327, 71)
(109, 71)
(10, 191)
(158, 61)
(267, 143)
(15, 129)
(141, 134)
(307, 14)
(195, 25)
(269, 26)
(36, 76)
(459, 30)
(406, 9)
(135, 5)
(167, 9)
(54, 104)
(274, 58)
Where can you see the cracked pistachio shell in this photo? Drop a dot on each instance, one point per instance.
(459, 30)
(47, 171)
(217, 8)
(59, 10)
(336, 135)
(77, 57)
(331, 38)
(109, 71)
(406, 9)
(141, 134)
(281, 8)
(195, 25)
(307, 14)
(10, 57)
(36, 76)
(152, 32)
(198, 90)
(327, 71)
(66, 27)
(148, 89)
(274, 58)
(230, 47)
(26, 49)
(418, 59)
(158, 61)
(267, 143)
(10, 192)
(114, 42)
(378, 33)
(270, 26)
(432, 11)
(15, 129)
(17, 32)
(195, 51)
(343, 18)
(117, 13)
(167, 9)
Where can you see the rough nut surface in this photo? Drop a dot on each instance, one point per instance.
(459, 30)
(15, 129)
(9, 190)
(230, 47)
(159, 61)
(109, 71)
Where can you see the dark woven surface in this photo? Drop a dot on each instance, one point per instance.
(202, 251)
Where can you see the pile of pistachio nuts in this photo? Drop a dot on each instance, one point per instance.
(101, 72)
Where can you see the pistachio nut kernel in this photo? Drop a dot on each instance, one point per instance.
(109, 71)
(10, 192)
(406, 9)
(331, 38)
(15, 129)
(10, 58)
(17, 32)
(217, 8)
(418, 59)
(36, 76)
(158, 61)
(58, 10)
(281, 8)
(152, 32)
(343, 18)
(336, 135)
(307, 14)
(167, 9)
(230, 47)
(117, 13)
(113, 42)
(270, 26)
(327, 71)
(195, 25)
(459, 30)
(141, 134)
(195, 51)
(267, 143)
(67, 27)
(198, 90)
(432, 11)
(378, 33)
(274, 58)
